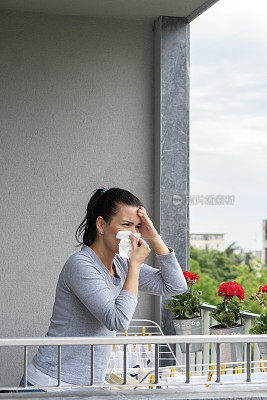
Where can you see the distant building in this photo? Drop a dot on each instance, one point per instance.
(264, 242)
(210, 240)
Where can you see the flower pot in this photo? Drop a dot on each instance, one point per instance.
(263, 351)
(192, 326)
(230, 352)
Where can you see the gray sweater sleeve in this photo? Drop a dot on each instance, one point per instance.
(166, 281)
(91, 288)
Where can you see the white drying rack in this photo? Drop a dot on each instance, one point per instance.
(140, 357)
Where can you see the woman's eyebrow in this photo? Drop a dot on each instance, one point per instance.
(139, 223)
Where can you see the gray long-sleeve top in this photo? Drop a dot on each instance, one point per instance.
(90, 301)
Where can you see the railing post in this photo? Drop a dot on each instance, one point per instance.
(206, 345)
(125, 364)
(198, 354)
(256, 354)
(92, 365)
(247, 326)
(212, 354)
(218, 362)
(156, 363)
(58, 365)
(248, 362)
(187, 363)
(25, 365)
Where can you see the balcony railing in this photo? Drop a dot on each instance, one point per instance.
(156, 341)
(202, 369)
(203, 359)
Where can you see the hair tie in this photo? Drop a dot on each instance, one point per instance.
(103, 191)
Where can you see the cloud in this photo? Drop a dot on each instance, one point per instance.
(228, 113)
(232, 19)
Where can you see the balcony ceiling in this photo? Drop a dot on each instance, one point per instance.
(126, 9)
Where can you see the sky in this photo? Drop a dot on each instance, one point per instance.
(228, 117)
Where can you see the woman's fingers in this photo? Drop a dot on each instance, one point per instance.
(142, 212)
(143, 243)
(140, 252)
(133, 240)
(140, 242)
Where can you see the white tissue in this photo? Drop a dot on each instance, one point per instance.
(125, 245)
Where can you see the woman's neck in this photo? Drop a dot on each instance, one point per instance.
(105, 256)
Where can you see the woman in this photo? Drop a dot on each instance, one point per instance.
(97, 289)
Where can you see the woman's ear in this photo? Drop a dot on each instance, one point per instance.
(100, 224)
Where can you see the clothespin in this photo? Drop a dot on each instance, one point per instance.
(223, 369)
(114, 346)
(149, 345)
(211, 372)
(152, 380)
(262, 369)
(172, 373)
(134, 346)
(143, 332)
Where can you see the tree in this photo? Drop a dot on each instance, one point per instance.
(206, 284)
(215, 267)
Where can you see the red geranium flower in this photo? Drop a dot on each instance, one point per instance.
(230, 289)
(263, 289)
(190, 276)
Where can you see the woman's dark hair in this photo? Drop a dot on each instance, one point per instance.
(105, 204)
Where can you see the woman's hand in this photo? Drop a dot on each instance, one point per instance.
(147, 229)
(139, 251)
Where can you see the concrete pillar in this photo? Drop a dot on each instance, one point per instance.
(171, 129)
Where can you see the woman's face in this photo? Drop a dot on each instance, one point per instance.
(126, 219)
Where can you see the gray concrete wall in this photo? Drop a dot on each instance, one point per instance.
(76, 113)
(171, 53)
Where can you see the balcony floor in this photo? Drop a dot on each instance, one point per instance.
(183, 392)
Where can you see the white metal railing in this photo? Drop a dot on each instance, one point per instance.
(207, 349)
(155, 340)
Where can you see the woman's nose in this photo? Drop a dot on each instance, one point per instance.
(134, 230)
